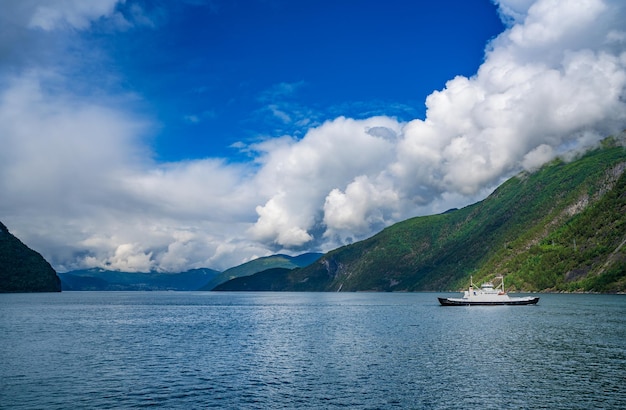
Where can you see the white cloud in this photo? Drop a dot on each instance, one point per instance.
(537, 157)
(545, 83)
(61, 147)
(79, 184)
(130, 257)
(549, 23)
(363, 206)
(482, 128)
(298, 175)
(513, 11)
(77, 181)
(49, 15)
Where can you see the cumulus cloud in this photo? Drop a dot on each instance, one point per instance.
(554, 80)
(78, 174)
(298, 175)
(79, 182)
(363, 207)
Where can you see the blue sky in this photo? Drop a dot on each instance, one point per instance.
(152, 135)
(229, 72)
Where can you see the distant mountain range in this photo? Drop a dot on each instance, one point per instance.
(561, 228)
(195, 279)
(22, 269)
(101, 279)
(262, 264)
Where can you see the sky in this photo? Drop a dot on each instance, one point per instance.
(145, 135)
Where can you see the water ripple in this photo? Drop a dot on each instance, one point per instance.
(285, 351)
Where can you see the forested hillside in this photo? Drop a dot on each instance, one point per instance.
(22, 269)
(262, 264)
(561, 228)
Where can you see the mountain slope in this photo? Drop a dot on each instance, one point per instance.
(560, 228)
(22, 269)
(265, 280)
(582, 248)
(262, 264)
(101, 279)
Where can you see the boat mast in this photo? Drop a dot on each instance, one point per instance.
(501, 286)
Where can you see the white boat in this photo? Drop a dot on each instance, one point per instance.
(486, 295)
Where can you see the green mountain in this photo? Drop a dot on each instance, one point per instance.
(561, 228)
(262, 264)
(101, 279)
(195, 279)
(22, 269)
(270, 280)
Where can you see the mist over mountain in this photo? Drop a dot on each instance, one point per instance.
(560, 228)
(98, 279)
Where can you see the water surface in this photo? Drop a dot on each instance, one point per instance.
(308, 350)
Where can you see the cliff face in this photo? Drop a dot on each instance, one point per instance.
(22, 269)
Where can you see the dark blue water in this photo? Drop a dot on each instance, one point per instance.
(308, 350)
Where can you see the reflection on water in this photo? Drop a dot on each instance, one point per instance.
(311, 350)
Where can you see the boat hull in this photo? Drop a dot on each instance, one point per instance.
(459, 302)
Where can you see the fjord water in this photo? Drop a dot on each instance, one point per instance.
(308, 350)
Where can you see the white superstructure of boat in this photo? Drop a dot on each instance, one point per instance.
(487, 294)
